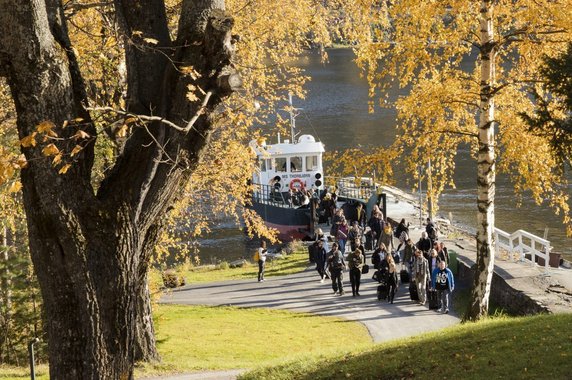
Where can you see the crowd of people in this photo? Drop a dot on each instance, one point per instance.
(395, 257)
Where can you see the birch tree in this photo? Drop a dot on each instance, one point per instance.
(500, 44)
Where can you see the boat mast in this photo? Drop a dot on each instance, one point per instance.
(292, 118)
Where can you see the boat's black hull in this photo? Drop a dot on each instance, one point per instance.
(291, 223)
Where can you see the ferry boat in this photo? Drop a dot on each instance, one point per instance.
(286, 170)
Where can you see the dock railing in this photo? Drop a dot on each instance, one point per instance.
(519, 244)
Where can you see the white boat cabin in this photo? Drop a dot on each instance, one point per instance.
(290, 165)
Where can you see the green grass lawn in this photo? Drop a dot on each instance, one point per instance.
(20, 373)
(192, 338)
(293, 263)
(538, 347)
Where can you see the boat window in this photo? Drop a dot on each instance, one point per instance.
(269, 164)
(312, 163)
(280, 164)
(262, 165)
(295, 164)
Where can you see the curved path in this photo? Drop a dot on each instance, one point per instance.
(303, 292)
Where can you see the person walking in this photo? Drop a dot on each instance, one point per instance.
(421, 275)
(402, 233)
(356, 260)
(375, 224)
(320, 257)
(409, 255)
(442, 279)
(424, 244)
(342, 234)
(387, 236)
(336, 264)
(391, 277)
(261, 260)
(434, 260)
(355, 235)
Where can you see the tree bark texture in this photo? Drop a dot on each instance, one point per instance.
(91, 249)
(480, 292)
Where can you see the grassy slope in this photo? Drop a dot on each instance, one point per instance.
(538, 347)
(199, 337)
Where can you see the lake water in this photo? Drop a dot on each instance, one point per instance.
(336, 112)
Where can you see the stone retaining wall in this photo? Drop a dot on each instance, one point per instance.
(513, 301)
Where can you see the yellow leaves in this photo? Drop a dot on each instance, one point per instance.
(79, 135)
(190, 71)
(121, 132)
(29, 141)
(151, 41)
(45, 127)
(50, 150)
(15, 187)
(64, 169)
(76, 150)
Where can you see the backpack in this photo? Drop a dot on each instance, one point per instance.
(256, 256)
(432, 232)
(375, 259)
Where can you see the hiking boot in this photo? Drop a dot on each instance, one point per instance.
(342, 293)
(335, 292)
(357, 294)
(440, 310)
(446, 311)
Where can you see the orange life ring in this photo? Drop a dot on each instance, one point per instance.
(301, 186)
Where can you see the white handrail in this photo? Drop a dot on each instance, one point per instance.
(506, 241)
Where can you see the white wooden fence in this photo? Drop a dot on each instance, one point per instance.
(521, 243)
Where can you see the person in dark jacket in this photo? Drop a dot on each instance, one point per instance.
(337, 264)
(391, 277)
(424, 244)
(356, 261)
(442, 252)
(376, 224)
(320, 257)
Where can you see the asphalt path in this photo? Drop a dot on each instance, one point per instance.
(303, 292)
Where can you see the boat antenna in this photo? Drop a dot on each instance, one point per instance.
(293, 114)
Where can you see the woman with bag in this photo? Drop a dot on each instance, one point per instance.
(392, 277)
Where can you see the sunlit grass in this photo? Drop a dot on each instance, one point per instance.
(538, 347)
(21, 373)
(192, 338)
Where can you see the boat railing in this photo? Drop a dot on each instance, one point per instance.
(269, 195)
(352, 187)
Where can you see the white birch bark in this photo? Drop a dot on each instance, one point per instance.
(485, 169)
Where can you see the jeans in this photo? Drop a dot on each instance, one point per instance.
(444, 296)
(355, 279)
(342, 244)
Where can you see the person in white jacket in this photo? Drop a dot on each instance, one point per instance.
(261, 260)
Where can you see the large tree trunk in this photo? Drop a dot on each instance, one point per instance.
(91, 250)
(479, 304)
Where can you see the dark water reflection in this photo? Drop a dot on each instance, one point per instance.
(336, 112)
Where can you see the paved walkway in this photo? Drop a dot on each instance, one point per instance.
(303, 292)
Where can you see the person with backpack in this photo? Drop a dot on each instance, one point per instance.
(376, 258)
(337, 264)
(402, 233)
(443, 281)
(262, 251)
(431, 230)
(356, 261)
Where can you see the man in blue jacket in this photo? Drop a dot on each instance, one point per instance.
(442, 280)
